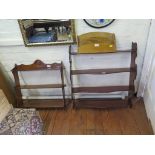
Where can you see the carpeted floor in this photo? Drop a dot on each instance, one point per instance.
(22, 122)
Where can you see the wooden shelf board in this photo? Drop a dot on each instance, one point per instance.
(41, 86)
(43, 103)
(117, 51)
(102, 71)
(100, 103)
(101, 89)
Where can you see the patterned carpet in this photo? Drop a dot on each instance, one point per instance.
(22, 122)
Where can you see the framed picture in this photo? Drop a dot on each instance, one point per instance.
(38, 32)
(98, 23)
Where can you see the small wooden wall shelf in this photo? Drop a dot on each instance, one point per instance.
(96, 42)
(104, 102)
(38, 103)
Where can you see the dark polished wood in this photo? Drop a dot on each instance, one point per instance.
(101, 103)
(43, 103)
(102, 71)
(42, 86)
(100, 89)
(85, 121)
(117, 51)
(38, 65)
(105, 89)
(18, 92)
(36, 103)
(133, 74)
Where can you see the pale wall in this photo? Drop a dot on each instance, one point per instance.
(12, 49)
(149, 95)
(148, 76)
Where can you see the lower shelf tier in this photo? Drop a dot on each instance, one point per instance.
(101, 89)
(44, 103)
(100, 103)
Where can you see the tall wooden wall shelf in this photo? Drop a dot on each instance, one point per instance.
(110, 102)
(38, 103)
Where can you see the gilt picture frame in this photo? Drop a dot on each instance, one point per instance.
(43, 32)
